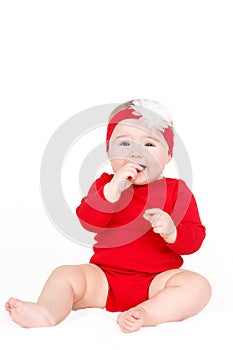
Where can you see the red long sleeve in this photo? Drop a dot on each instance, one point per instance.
(95, 212)
(190, 231)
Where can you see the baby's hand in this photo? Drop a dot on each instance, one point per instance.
(126, 175)
(122, 180)
(162, 224)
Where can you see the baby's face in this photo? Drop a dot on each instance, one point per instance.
(132, 143)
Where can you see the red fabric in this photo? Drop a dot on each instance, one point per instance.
(169, 137)
(126, 289)
(117, 118)
(126, 245)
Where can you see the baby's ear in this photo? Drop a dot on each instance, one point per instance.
(169, 156)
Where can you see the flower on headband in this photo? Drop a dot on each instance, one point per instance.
(154, 115)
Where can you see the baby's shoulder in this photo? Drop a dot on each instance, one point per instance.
(175, 184)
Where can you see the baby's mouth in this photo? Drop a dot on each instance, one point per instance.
(143, 166)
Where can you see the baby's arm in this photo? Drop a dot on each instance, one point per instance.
(122, 180)
(189, 232)
(185, 215)
(94, 211)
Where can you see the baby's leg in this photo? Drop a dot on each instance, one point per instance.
(173, 296)
(68, 287)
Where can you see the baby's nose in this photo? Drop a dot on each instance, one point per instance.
(136, 150)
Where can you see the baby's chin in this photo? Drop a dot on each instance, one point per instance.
(143, 179)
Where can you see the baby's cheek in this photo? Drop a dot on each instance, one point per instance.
(119, 152)
(117, 164)
(159, 161)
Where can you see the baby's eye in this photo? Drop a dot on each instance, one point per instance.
(125, 144)
(149, 144)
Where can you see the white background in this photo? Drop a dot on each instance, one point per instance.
(61, 57)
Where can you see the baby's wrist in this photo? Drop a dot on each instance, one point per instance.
(171, 237)
(111, 193)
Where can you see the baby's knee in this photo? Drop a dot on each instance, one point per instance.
(60, 270)
(205, 287)
(64, 272)
(201, 288)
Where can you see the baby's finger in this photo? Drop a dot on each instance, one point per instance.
(152, 211)
(132, 175)
(149, 213)
(153, 218)
(159, 230)
(127, 173)
(157, 223)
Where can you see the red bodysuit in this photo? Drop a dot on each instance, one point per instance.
(127, 249)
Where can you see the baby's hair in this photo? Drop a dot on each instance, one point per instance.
(143, 105)
(120, 107)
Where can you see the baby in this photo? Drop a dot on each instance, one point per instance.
(143, 223)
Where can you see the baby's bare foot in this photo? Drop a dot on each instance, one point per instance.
(28, 314)
(132, 320)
